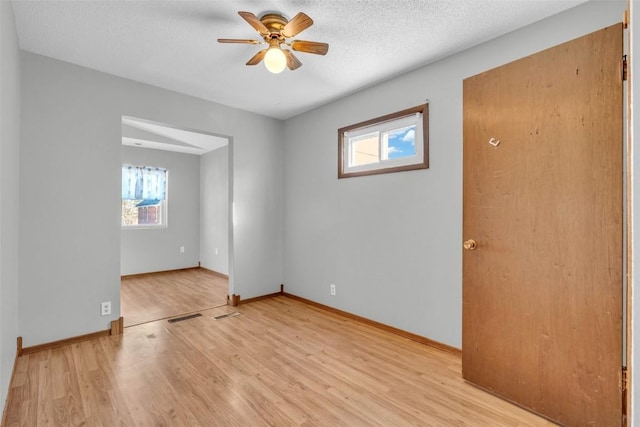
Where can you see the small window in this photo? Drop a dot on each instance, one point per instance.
(144, 197)
(392, 143)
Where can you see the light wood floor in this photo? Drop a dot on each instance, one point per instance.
(280, 362)
(157, 296)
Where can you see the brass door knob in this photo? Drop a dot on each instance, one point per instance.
(470, 244)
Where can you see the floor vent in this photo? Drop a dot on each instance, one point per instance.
(180, 319)
(224, 316)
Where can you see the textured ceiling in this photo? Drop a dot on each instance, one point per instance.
(172, 44)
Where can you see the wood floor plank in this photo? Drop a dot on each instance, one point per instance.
(280, 362)
(155, 296)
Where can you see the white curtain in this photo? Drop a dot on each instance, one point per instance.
(143, 183)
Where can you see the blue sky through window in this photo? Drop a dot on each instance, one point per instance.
(402, 142)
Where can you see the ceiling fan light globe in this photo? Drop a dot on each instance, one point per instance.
(274, 60)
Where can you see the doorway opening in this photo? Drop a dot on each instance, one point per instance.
(179, 263)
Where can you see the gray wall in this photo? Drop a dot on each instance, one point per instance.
(70, 166)
(392, 243)
(145, 250)
(9, 161)
(214, 210)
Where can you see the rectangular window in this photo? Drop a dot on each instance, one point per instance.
(144, 197)
(392, 143)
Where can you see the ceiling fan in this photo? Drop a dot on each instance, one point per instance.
(275, 29)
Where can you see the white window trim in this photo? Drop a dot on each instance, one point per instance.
(385, 162)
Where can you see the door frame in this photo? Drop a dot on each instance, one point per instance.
(629, 218)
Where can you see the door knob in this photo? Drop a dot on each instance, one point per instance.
(470, 244)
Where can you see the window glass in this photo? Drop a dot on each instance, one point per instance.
(144, 196)
(399, 143)
(392, 143)
(364, 150)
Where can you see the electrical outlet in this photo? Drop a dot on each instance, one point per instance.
(216, 251)
(105, 308)
(181, 249)
(332, 289)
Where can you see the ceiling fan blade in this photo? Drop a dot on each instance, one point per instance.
(310, 47)
(254, 22)
(299, 23)
(292, 61)
(247, 41)
(257, 57)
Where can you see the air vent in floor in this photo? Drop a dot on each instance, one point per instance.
(224, 316)
(180, 319)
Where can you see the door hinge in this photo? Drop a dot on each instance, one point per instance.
(624, 67)
(623, 388)
(625, 19)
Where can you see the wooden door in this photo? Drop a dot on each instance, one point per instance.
(542, 293)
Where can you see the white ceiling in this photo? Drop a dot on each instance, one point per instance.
(172, 44)
(158, 136)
